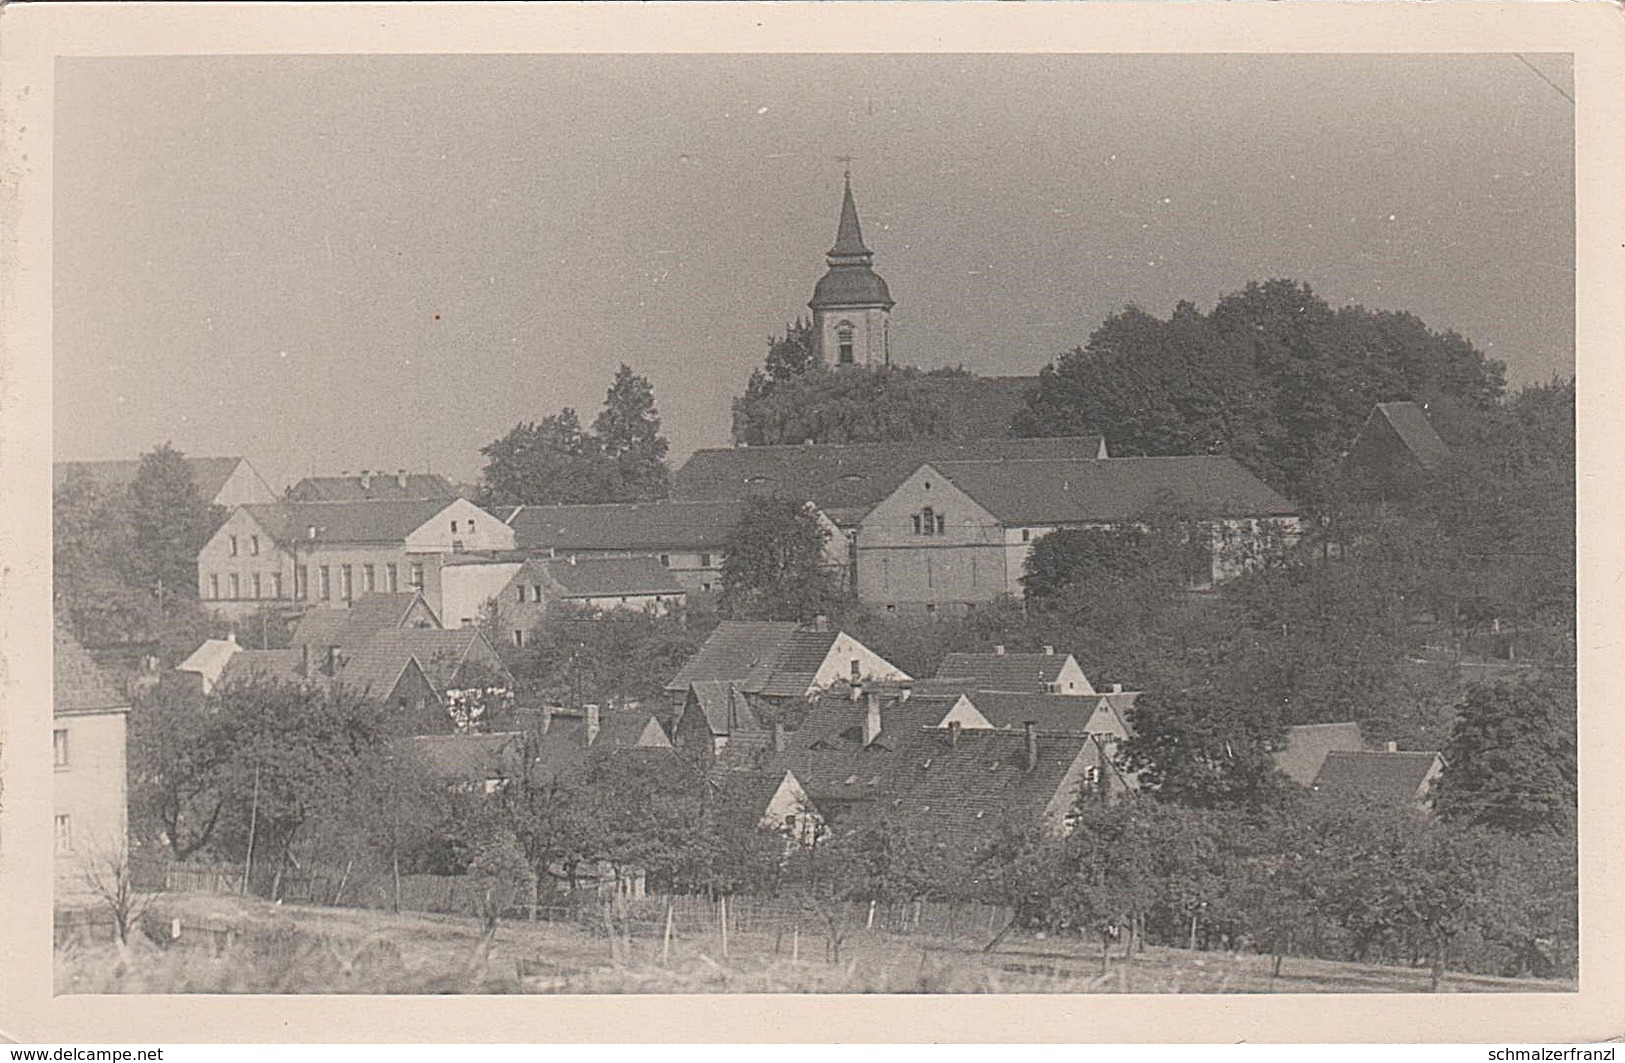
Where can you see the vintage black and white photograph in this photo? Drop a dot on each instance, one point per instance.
(862, 523)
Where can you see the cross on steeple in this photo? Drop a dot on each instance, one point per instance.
(846, 162)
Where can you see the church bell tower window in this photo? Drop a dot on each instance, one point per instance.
(843, 340)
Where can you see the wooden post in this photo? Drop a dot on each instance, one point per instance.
(722, 917)
(338, 893)
(795, 944)
(870, 924)
(665, 944)
(253, 818)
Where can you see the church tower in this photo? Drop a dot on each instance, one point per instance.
(851, 305)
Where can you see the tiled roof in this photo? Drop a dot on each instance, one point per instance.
(743, 796)
(418, 485)
(1004, 671)
(800, 657)
(845, 481)
(379, 521)
(440, 653)
(604, 577)
(630, 728)
(209, 474)
(351, 628)
(741, 651)
(80, 685)
(1308, 744)
(1410, 423)
(724, 706)
(650, 527)
(1389, 778)
(472, 757)
(1053, 713)
(834, 721)
(272, 665)
(1112, 489)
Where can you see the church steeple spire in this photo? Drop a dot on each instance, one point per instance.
(849, 237)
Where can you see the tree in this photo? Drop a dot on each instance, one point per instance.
(1511, 760)
(170, 522)
(1272, 376)
(792, 354)
(577, 655)
(107, 874)
(775, 566)
(1207, 746)
(856, 404)
(179, 755)
(551, 462)
(628, 434)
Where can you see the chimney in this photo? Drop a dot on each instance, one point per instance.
(1048, 651)
(1031, 733)
(332, 660)
(871, 717)
(1393, 747)
(400, 479)
(778, 736)
(856, 680)
(592, 723)
(998, 651)
(366, 479)
(820, 622)
(953, 733)
(231, 636)
(905, 690)
(310, 532)
(1117, 688)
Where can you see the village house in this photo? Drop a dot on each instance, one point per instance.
(328, 554)
(957, 534)
(689, 539)
(88, 789)
(369, 485)
(516, 591)
(1396, 448)
(1307, 746)
(227, 482)
(771, 800)
(750, 669)
(1392, 777)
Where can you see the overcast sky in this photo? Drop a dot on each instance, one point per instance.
(337, 263)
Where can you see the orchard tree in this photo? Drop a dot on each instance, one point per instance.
(775, 566)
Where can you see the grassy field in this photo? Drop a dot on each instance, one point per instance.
(244, 945)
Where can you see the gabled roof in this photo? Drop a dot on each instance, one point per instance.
(1410, 423)
(416, 485)
(209, 660)
(603, 577)
(440, 653)
(634, 527)
(630, 729)
(724, 706)
(376, 521)
(1052, 713)
(470, 757)
(349, 629)
(834, 721)
(846, 481)
(1004, 671)
(1307, 746)
(750, 653)
(209, 474)
(1112, 489)
(743, 796)
(1388, 778)
(80, 685)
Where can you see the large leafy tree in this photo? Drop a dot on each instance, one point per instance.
(628, 435)
(1272, 375)
(792, 354)
(170, 523)
(557, 461)
(775, 565)
(1511, 760)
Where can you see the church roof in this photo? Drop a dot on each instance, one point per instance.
(849, 237)
(850, 280)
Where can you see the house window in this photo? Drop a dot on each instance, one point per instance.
(214, 586)
(257, 585)
(522, 592)
(471, 527)
(928, 521)
(535, 592)
(276, 585)
(942, 524)
(233, 546)
(59, 747)
(454, 527)
(253, 546)
(930, 609)
(236, 586)
(518, 638)
(843, 340)
(665, 560)
(347, 581)
(325, 576)
(369, 578)
(705, 586)
(64, 833)
(392, 576)
(1026, 535)
(301, 582)
(705, 560)
(916, 524)
(417, 575)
